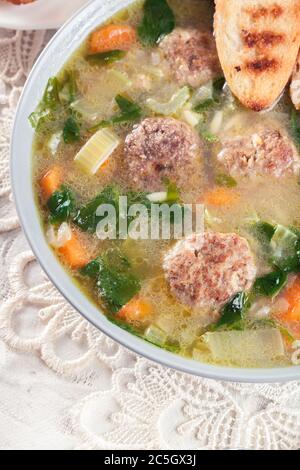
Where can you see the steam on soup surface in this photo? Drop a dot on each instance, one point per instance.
(142, 110)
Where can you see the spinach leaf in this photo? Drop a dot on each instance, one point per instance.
(295, 127)
(71, 131)
(270, 285)
(233, 312)
(204, 105)
(225, 180)
(108, 57)
(263, 232)
(158, 21)
(115, 282)
(218, 86)
(130, 111)
(86, 217)
(61, 205)
(46, 109)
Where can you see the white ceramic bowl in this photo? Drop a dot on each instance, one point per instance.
(50, 62)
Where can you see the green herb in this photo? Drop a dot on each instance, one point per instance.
(295, 128)
(86, 217)
(210, 103)
(233, 312)
(61, 205)
(158, 21)
(270, 285)
(130, 111)
(102, 58)
(115, 282)
(204, 105)
(49, 104)
(173, 193)
(208, 136)
(218, 86)
(72, 86)
(263, 232)
(225, 180)
(71, 131)
(51, 94)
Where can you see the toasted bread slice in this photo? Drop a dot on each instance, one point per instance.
(295, 84)
(257, 43)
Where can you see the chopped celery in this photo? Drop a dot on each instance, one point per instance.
(190, 117)
(246, 346)
(285, 245)
(155, 335)
(97, 150)
(177, 101)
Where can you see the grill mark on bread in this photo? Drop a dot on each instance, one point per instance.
(262, 65)
(261, 39)
(261, 12)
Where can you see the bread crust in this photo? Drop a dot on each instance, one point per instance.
(257, 46)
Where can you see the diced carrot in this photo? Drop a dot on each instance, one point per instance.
(221, 197)
(112, 37)
(135, 310)
(290, 317)
(74, 254)
(292, 296)
(51, 181)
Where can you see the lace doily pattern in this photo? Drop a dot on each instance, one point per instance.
(129, 402)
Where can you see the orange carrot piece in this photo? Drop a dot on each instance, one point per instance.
(135, 310)
(221, 197)
(292, 296)
(112, 37)
(74, 254)
(51, 181)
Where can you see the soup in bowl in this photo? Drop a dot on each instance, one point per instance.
(173, 208)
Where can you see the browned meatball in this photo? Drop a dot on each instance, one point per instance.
(161, 148)
(206, 270)
(192, 56)
(266, 153)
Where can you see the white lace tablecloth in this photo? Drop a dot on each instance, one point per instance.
(64, 385)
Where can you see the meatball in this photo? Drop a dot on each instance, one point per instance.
(206, 270)
(161, 148)
(266, 153)
(192, 56)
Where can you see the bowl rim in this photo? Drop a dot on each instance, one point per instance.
(27, 211)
